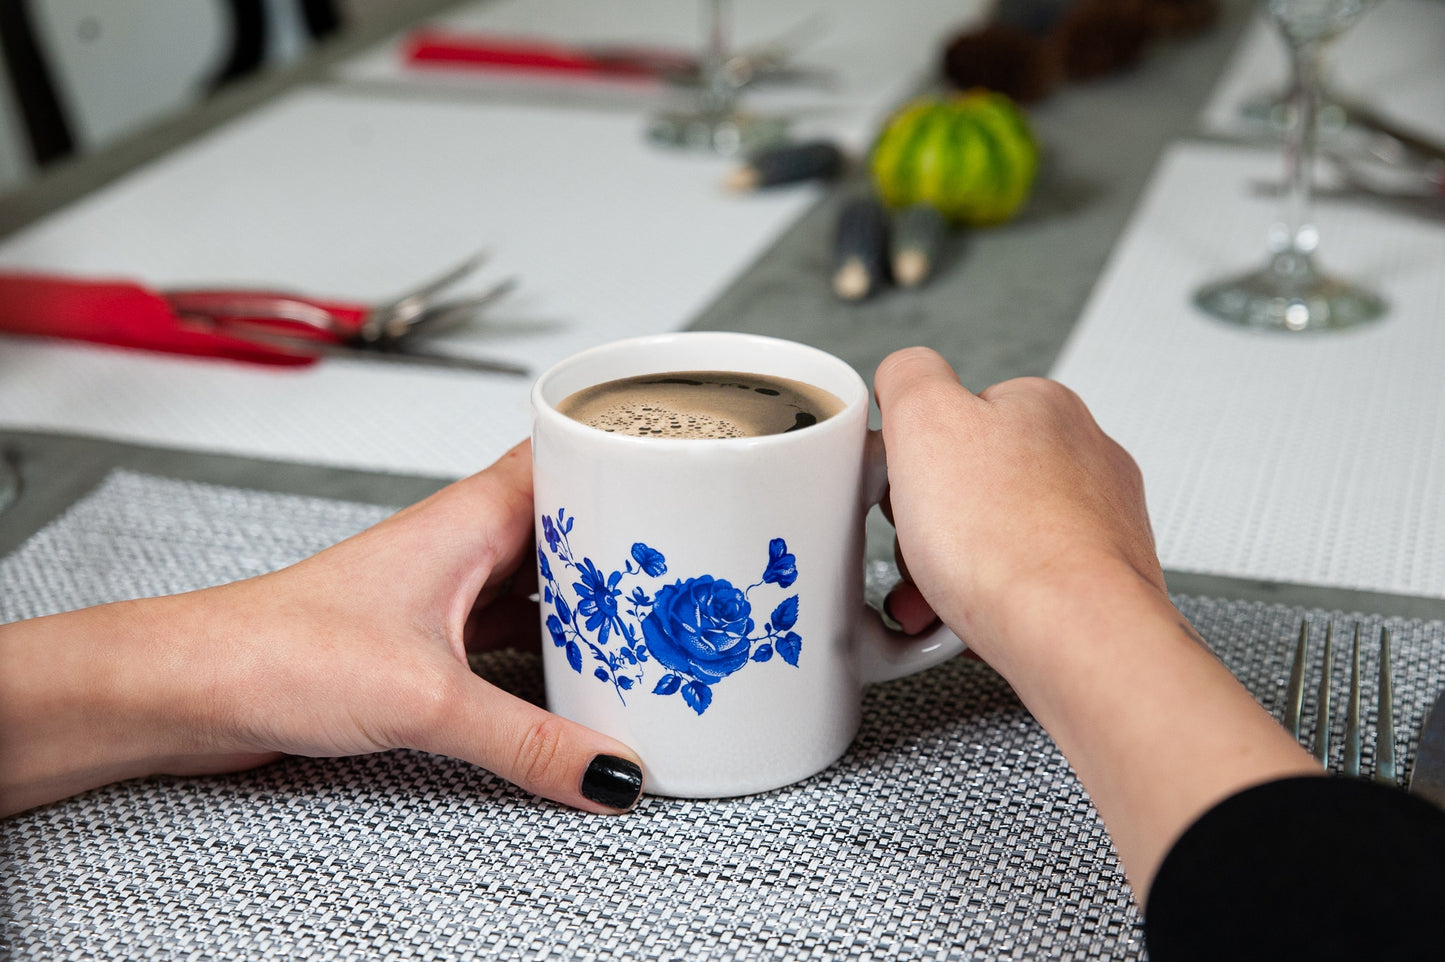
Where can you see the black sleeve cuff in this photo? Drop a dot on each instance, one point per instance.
(1304, 868)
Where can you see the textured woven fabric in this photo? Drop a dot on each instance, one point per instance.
(952, 829)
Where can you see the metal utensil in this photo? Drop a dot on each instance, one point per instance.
(395, 351)
(1372, 120)
(1427, 777)
(765, 63)
(242, 324)
(385, 331)
(1294, 700)
(1418, 190)
(1385, 710)
(445, 315)
(378, 323)
(392, 321)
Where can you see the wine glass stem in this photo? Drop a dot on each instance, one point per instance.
(716, 89)
(1300, 236)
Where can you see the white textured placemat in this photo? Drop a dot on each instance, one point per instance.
(361, 197)
(1311, 459)
(1393, 59)
(873, 53)
(951, 830)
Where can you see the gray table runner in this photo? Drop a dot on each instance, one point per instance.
(952, 829)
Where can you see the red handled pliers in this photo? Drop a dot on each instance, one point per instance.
(256, 326)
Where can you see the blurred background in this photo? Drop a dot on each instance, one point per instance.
(80, 75)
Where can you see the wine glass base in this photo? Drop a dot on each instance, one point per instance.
(1262, 300)
(727, 134)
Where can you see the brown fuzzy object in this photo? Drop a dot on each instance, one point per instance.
(1033, 45)
(1099, 37)
(1003, 58)
(1181, 18)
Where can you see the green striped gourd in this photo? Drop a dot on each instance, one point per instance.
(970, 155)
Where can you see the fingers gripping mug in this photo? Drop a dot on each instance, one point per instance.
(701, 578)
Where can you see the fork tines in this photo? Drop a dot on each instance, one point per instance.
(1294, 700)
(1385, 747)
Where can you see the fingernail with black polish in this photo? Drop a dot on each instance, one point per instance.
(612, 781)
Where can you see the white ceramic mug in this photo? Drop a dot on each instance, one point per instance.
(702, 600)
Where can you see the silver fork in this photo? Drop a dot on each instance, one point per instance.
(1294, 700)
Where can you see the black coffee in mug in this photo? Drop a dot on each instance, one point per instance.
(700, 405)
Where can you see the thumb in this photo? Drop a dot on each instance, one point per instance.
(534, 749)
(914, 372)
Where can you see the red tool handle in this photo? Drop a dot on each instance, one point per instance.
(430, 47)
(120, 313)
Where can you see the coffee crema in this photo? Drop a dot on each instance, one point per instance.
(697, 405)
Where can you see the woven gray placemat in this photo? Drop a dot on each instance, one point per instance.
(952, 829)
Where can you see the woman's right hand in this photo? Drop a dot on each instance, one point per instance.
(998, 495)
(1023, 526)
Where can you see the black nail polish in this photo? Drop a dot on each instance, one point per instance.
(612, 781)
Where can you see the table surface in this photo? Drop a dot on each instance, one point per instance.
(952, 828)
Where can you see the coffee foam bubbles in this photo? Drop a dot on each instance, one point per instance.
(698, 405)
(658, 421)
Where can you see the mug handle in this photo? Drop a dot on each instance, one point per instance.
(885, 654)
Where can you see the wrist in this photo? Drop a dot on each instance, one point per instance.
(94, 696)
(1028, 621)
(1154, 724)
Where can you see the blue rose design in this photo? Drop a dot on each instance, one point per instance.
(696, 631)
(700, 627)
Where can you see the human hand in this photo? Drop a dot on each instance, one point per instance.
(1023, 525)
(360, 648)
(999, 495)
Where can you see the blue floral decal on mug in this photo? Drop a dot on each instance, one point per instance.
(692, 633)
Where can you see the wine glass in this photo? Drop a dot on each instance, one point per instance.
(1290, 292)
(715, 123)
(1273, 111)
